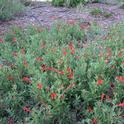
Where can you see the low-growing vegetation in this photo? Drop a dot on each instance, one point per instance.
(58, 75)
(97, 12)
(8, 8)
(68, 3)
(74, 3)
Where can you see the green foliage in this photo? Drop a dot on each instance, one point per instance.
(25, 2)
(8, 8)
(122, 6)
(52, 76)
(73, 3)
(58, 2)
(99, 12)
(96, 11)
(68, 3)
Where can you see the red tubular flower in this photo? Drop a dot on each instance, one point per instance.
(102, 96)
(14, 39)
(60, 72)
(39, 86)
(70, 86)
(94, 121)
(109, 53)
(25, 63)
(1, 66)
(108, 98)
(77, 57)
(26, 79)
(39, 59)
(121, 105)
(10, 121)
(53, 96)
(72, 52)
(71, 47)
(22, 51)
(99, 82)
(55, 70)
(26, 109)
(120, 78)
(71, 76)
(90, 109)
(122, 63)
(120, 54)
(112, 85)
(113, 67)
(106, 61)
(68, 69)
(64, 53)
(43, 67)
(14, 32)
(1, 40)
(10, 78)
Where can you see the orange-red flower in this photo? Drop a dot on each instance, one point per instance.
(10, 78)
(77, 57)
(70, 86)
(121, 105)
(120, 54)
(94, 121)
(122, 63)
(14, 39)
(22, 51)
(106, 61)
(39, 59)
(99, 82)
(14, 32)
(1, 66)
(64, 53)
(25, 63)
(102, 96)
(1, 40)
(53, 95)
(39, 86)
(55, 70)
(71, 76)
(108, 98)
(90, 109)
(68, 69)
(71, 47)
(72, 52)
(120, 78)
(26, 109)
(113, 67)
(26, 79)
(43, 67)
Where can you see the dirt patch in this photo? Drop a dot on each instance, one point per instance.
(45, 14)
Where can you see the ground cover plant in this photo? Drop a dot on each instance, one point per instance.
(8, 8)
(97, 12)
(68, 3)
(60, 75)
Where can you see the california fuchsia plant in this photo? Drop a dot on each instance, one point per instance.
(56, 76)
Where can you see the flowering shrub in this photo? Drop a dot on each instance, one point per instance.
(52, 76)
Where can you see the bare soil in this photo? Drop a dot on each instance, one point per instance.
(45, 14)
